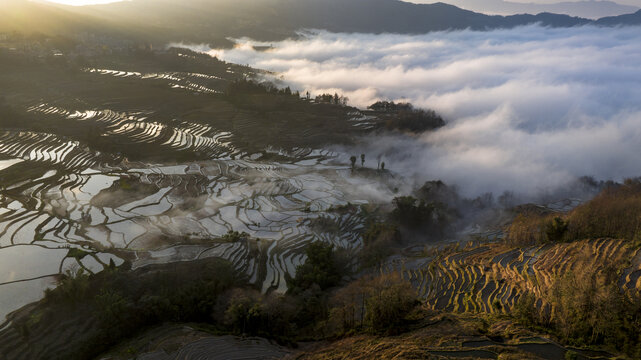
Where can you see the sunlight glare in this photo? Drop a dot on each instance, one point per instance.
(83, 2)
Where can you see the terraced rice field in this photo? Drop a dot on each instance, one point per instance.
(183, 210)
(72, 198)
(482, 276)
(186, 81)
(135, 128)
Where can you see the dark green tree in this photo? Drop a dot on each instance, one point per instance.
(556, 229)
(352, 159)
(320, 268)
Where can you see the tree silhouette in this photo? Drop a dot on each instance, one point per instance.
(362, 159)
(353, 161)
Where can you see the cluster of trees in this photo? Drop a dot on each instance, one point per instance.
(614, 213)
(415, 120)
(331, 99)
(390, 106)
(264, 97)
(420, 215)
(404, 117)
(247, 311)
(353, 158)
(251, 87)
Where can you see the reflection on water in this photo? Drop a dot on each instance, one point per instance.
(154, 213)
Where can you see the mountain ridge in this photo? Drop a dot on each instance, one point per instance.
(589, 9)
(213, 21)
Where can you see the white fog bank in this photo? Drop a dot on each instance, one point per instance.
(528, 109)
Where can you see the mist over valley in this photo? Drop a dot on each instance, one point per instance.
(317, 179)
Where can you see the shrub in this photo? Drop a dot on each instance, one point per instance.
(496, 304)
(234, 236)
(390, 301)
(556, 229)
(72, 287)
(525, 310)
(321, 268)
(377, 241)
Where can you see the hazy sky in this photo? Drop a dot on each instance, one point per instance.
(624, 2)
(528, 109)
(627, 2)
(83, 2)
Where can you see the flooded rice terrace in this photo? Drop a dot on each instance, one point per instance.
(156, 213)
(68, 207)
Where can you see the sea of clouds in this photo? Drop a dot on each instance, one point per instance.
(527, 109)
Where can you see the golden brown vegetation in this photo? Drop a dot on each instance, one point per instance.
(615, 213)
(378, 304)
(437, 336)
(528, 228)
(585, 305)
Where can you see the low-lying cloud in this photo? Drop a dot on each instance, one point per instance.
(528, 109)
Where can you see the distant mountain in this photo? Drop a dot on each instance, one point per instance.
(590, 9)
(212, 21)
(200, 20)
(629, 19)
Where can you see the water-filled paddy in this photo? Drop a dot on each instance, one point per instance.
(154, 213)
